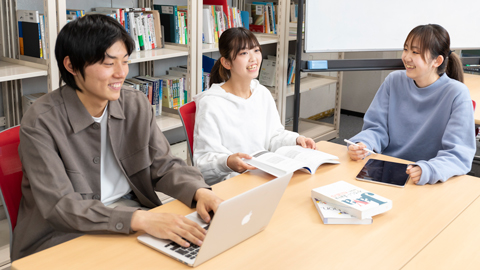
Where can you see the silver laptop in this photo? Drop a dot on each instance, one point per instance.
(236, 220)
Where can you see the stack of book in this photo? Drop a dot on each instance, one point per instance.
(262, 17)
(344, 203)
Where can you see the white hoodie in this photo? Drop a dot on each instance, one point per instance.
(226, 124)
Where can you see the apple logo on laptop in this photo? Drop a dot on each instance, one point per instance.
(246, 218)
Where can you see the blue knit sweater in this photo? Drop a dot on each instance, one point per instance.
(432, 126)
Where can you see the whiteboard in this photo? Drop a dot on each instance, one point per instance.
(383, 25)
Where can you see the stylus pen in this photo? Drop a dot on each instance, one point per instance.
(370, 151)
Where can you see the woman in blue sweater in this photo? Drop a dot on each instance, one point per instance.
(423, 113)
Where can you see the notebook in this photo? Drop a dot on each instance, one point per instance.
(236, 220)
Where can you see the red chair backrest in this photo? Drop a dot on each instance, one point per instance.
(10, 173)
(187, 114)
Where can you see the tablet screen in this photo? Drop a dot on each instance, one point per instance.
(384, 172)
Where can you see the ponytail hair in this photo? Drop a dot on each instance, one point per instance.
(231, 42)
(436, 40)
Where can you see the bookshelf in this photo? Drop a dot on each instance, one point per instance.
(309, 128)
(193, 51)
(169, 51)
(14, 69)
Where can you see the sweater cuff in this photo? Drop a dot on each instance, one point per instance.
(222, 163)
(121, 219)
(426, 172)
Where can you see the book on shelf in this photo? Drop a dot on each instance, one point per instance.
(169, 19)
(174, 91)
(155, 92)
(31, 33)
(288, 159)
(157, 28)
(226, 16)
(42, 36)
(355, 201)
(133, 30)
(140, 31)
(218, 17)
(293, 12)
(75, 13)
(245, 19)
(119, 13)
(268, 73)
(269, 15)
(139, 85)
(208, 26)
(332, 215)
(257, 18)
(147, 35)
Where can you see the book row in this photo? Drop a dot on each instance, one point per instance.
(168, 91)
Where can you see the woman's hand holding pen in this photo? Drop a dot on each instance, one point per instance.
(357, 151)
(236, 163)
(306, 142)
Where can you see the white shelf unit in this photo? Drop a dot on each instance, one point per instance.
(263, 39)
(170, 51)
(310, 128)
(14, 69)
(310, 82)
(166, 121)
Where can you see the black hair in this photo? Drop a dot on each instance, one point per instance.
(231, 42)
(85, 41)
(436, 40)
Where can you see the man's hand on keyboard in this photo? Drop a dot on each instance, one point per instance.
(168, 226)
(206, 201)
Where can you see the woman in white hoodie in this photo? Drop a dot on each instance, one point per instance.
(237, 115)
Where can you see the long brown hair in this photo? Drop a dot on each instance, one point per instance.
(436, 40)
(231, 42)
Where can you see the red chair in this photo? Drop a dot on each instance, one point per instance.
(10, 175)
(187, 115)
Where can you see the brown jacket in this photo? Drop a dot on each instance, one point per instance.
(60, 152)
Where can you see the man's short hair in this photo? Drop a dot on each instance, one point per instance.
(85, 41)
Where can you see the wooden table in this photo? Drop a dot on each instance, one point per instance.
(473, 83)
(296, 238)
(457, 247)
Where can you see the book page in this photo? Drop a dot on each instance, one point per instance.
(273, 163)
(309, 157)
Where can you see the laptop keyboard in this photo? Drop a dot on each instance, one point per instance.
(188, 252)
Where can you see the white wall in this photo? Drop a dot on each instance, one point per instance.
(360, 87)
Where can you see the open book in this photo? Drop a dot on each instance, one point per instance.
(289, 159)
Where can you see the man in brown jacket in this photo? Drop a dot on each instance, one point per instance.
(93, 155)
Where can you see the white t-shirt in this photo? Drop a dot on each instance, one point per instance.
(114, 185)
